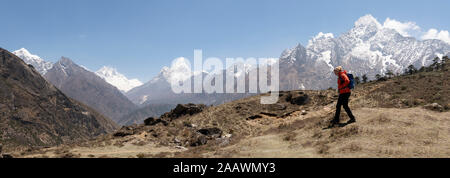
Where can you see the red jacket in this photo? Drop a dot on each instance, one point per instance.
(343, 82)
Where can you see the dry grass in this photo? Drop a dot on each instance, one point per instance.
(413, 132)
(390, 123)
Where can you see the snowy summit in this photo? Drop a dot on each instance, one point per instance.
(117, 79)
(39, 64)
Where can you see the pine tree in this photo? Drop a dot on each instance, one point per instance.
(357, 80)
(435, 64)
(378, 76)
(364, 78)
(411, 69)
(389, 73)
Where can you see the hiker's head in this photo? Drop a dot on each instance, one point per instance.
(337, 70)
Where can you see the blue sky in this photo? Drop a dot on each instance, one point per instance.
(138, 37)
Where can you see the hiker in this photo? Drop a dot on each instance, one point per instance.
(344, 95)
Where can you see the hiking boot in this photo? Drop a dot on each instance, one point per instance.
(334, 123)
(351, 121)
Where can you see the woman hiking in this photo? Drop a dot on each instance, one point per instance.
(344, 95)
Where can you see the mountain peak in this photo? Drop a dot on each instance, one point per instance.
(368, 20)
(108, 71)
(179, 70)
(113, 77)
(38, 63)
(65, 60)
(24, 53)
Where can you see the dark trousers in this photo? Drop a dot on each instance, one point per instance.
(343, 101)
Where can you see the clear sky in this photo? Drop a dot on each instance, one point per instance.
(138, 37)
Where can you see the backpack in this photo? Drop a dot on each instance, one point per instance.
(351, 85)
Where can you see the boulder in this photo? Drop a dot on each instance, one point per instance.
(299, 98)
(124, 131)
(383, 79)
(198, 140)
(211, 132)
(6, 155)
(184, 109)
(434, 107)
(151, 121)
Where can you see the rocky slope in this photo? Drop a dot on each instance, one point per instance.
(138, 116)
(404, 116)
(35, 113)
(85, 86)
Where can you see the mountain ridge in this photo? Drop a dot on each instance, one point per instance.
(36, 113)
(85, 86)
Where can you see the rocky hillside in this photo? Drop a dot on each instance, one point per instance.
(35, 113)
(138, 116)
(402, 116)
(86, 87)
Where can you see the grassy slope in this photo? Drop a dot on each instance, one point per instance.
(391, 123)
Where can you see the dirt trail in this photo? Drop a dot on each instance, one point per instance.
(379, 132)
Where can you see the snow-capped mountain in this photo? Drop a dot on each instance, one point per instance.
(159, 90)
(160, 86)
(368, 48)
(180, 70)
(113, 77)
(39, 64)
(87, 87)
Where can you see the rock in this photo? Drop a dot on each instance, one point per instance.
(277, 106)
(434, 107)
(186, 124)
(175, 140)
(7, 155)
(223, 141)
(304, 112)
(181, 147)
(382, 79)
(124, 131)
(254, 117)
(151, 121)
(184, 109)
(299, 98)
(212, 132)
(198, 140)
(269, 114)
